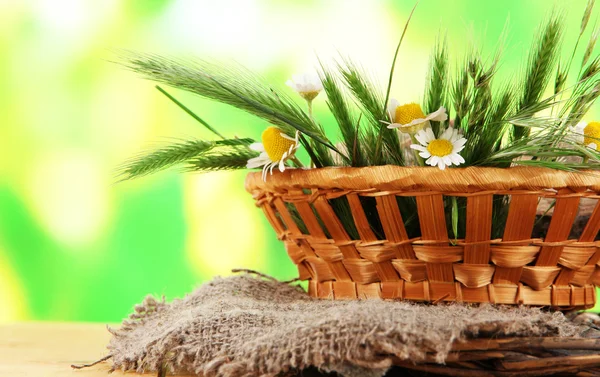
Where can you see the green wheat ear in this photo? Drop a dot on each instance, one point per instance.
(231, 85)
(541, 63)
(503, 123)
(340, 108)
(229, 159)
(177, 153)
(436, 92)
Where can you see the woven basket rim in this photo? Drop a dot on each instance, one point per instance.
(393, 177)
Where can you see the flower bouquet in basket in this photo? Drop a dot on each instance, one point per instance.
(480, 193)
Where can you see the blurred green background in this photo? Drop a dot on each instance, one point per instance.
(76, 246)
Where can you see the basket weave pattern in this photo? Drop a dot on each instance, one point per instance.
(515, 269)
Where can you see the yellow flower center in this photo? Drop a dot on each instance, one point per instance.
(440, 147)
(409, 112)
(591, 134)
(275, 144)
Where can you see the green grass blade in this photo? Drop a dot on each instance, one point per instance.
(189, 112)
(391, 75)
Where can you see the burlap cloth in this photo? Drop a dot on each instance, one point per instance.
(250, 326)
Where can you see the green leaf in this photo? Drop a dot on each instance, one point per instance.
(455, 217)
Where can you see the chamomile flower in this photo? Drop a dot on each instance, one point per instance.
(588, 134)
(276, 148)
(307, 85)
(443, 151)
(409, 118)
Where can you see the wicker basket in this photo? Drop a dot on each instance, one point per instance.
(555, 270)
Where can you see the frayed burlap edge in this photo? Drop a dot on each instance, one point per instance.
(249, 326)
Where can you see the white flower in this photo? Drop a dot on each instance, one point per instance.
(276, 148)
(409, 118)
(308, 85)
(442, 151)
(587, 133)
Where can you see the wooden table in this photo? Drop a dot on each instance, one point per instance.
(49, 349)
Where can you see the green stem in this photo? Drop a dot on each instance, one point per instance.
(314, 161)
(184, 108)
(310, 111)
(297, 162)
(391, 77)
(310, 114)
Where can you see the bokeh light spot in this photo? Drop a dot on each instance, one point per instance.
(222, 233)
(12, 297)
(69, 195)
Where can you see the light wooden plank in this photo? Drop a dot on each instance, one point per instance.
(48, 349)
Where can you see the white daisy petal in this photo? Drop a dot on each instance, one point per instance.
(580, 127)
(457, 159)
(305, 83)
(259, 147)
(282, 165)
(392, 105)
(441, 164)
(447, 134)
(455, 135)
(264, 160)
(433, 160)
(459, 145)
(453, 159)
(421, 137)
(439, 115)
(418, 147)
(593, 146)
(429, 135)
(426, 139)
(256, 162)
(414, 122)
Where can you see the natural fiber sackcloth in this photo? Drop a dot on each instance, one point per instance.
(250, 326)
